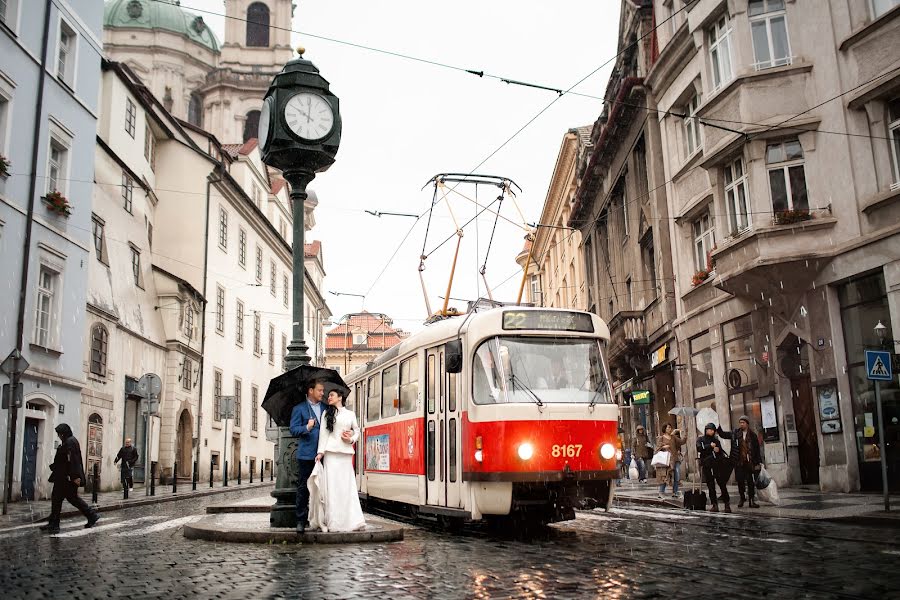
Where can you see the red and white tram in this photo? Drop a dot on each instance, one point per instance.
(502, 412)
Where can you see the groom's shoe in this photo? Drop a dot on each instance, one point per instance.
(301, 528)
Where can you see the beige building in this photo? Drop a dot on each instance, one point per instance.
(780, 131)
(359, 339)
(556, 274)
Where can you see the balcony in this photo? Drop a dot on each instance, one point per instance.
(627, 341)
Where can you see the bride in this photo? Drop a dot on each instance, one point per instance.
(336, 439)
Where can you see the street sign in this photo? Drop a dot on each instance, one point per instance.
(878, 365)
(14, 363)
(226, 407)
(18, 396)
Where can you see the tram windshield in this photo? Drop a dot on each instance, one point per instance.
(542, 370)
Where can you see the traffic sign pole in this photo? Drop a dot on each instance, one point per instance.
(878, 369)
(881, 445)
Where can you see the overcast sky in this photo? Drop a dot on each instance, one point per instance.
(404, 121)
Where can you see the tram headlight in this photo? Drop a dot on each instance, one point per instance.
(607, 451)
(479, 456)
(526, 451)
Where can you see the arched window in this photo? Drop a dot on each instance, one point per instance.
(258, 25)
(189, 320)
(195, 110)
(251, 125)
(99, 349)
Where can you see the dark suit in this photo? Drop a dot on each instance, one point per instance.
(66, 468)
(307, 448)
(744, 469)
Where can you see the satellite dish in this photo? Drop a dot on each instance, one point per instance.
(149, 386)
(706, 415)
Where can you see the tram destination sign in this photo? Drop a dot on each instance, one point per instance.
(547, 320)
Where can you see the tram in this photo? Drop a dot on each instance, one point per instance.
(507, 412)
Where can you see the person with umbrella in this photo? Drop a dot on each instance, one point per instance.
(306, 419)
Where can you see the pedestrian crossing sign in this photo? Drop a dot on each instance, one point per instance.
(878, 365)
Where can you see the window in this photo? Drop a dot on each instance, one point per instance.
(237, 402)
(701, 368)
(239, 325)
(242, 247)
(284, 290)
(254, 408)
(257, 196)
(130, 117)
(768, 27)
(359, 339)
(65, 55)
(271, 344)
(373, 406)
(736, 197)
(223, 229)
(880, 7)
(283, 352)
(624, 217)
(251, 125)
(740, 369)
(149, 142)
(214, 460)
(98, 232)
(894, 135)
(389, 391)
(5, 100)
(8, 12)
(189, 320)
(648, 255)
(195, 110)
(99, 350)
(273, 274)
(220, 309)
(259, 264)
(217, 395)
(57, 166)
(257, 326)
(187, 367)
(719, 37)
(704, 240)
(691, 126)
(127, 192)
(257, 25)
(149, 234)
(45, 314)
(787, 177)
(136, 267)
(409, 384)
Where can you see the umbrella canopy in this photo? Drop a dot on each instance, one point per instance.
(684, 411)
(289, 389)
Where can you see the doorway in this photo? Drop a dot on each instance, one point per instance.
(94, 449)
(184, 437)
(442, 434)
(807, 434)
(235, 465)
(29, 458)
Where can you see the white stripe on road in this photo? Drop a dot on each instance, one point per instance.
(160, 526)
(668, 511)
(98, 528)
(643, 513)
(597, 517)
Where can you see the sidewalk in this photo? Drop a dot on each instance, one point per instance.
(800, 502)
(25, 511)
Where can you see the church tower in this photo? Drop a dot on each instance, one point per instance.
(257, 44)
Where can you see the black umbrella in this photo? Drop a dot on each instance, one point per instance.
(289, 389)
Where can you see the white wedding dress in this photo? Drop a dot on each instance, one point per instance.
(336, 482)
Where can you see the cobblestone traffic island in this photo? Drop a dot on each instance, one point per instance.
(252, 526)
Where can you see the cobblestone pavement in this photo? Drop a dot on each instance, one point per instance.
(627, 553)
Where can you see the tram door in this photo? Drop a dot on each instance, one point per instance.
(442, 464)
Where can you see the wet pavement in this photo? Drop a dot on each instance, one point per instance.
(630, 552)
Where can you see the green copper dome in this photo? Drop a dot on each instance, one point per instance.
(159, 14)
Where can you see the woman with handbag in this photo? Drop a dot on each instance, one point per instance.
(677, 458)
(663, 458)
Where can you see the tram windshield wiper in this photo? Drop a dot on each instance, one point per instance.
(514, 380)
(594, 393)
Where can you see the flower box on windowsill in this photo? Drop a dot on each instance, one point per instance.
(789, 217)
(57, 203)
(701, 277)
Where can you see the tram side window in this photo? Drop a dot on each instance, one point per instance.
(409, 384)
(451, 392)
(451, 435)
(373, 406)
(389, 392)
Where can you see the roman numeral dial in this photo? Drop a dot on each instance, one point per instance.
(309, 116)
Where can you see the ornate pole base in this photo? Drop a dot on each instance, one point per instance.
(284, 513)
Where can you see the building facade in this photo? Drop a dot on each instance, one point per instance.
(49, 83)
(779, 130)
(359, 339)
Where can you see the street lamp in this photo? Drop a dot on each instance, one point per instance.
(299, 134)
(880, 331)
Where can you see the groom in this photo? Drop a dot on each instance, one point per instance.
(306, 419)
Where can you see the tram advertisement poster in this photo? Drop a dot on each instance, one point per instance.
(378, 453)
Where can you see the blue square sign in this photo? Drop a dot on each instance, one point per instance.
(878, 365)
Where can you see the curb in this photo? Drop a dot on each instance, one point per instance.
(213, 533)
(148, 501)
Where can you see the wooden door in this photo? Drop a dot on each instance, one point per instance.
(807, 434)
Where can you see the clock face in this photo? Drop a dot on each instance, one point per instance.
(265, 117)
(309, 116)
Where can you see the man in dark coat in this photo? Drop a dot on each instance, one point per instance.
(67, 475)
(747, 459)
(714, 466)
(128, 454)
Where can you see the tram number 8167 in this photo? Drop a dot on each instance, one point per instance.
(566, 450)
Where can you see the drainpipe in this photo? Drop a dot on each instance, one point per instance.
(11, 429)
(209, 181)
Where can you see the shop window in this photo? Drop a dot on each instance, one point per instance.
(701, 368)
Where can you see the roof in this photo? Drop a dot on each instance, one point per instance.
(312, 249)
(235, 150)
(380, 335)
(583, 133)
(159, 14)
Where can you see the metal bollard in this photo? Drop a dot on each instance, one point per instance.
(272, 472)
(262, 471)
(194, 476)
(175, 478)
(96, 484)
(251, 474)
(239, 473)
(210, 473)
(225, 475)
(152, 478)
(125, 490)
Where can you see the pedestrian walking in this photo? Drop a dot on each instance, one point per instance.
(714, 465)
(67, 475)
(641, 451)
(747, 459)
(678, 442)
(306, 423)
(664, 444)
(128, 454)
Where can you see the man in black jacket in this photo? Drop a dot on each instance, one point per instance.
(67, 475)
(714, 466)
(128, 454)
(746, 457)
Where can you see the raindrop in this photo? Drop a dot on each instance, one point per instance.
(781, 283)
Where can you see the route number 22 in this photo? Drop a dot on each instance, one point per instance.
(565, 450)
